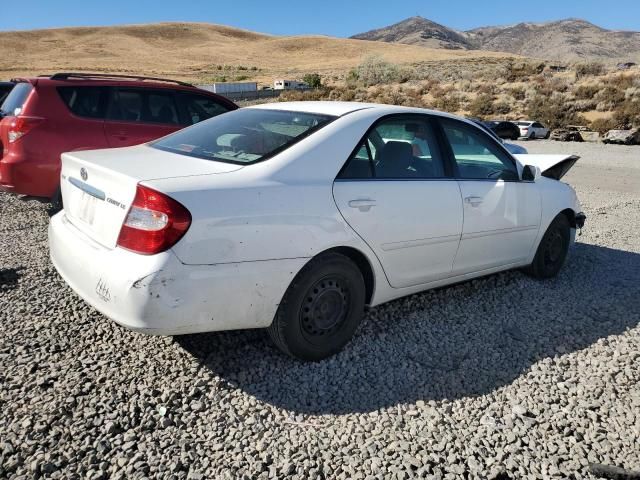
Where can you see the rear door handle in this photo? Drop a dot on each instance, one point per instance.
(362, 204)
(473, 201)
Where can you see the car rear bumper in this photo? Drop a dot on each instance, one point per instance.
(159, 295)
(21, 176)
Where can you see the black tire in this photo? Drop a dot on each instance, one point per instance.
(546, 137)
(321, 309)
(553, 249)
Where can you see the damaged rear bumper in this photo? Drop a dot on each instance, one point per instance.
(159, 295)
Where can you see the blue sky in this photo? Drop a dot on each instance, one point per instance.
(332, 17)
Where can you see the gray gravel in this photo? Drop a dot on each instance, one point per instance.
(503, 377)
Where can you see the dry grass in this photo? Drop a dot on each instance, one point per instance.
(196, 51)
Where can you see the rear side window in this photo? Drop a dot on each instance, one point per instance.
(200, 107)
(125, 105)
(243, 136)
(84, 101)
(143, 105)
(397, 148)
(14, 103)
(161, 108)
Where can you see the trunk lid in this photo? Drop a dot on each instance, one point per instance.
(552, 166)
(98, 186)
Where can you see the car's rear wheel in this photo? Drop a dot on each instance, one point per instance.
(547, 135)
(553, 249)
(321, 309)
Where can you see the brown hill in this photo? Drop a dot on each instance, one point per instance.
(564, 40)
(196, 51)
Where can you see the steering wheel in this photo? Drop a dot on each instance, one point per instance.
(495, 174)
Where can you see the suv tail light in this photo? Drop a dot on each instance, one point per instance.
(155, 223)
(20, 126)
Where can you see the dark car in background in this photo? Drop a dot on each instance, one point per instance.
(46, 116)
(504, 129)
(5, 88)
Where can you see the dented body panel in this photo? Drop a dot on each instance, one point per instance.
(255, 227)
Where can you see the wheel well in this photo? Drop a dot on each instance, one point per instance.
(571, 216)
(357, 257)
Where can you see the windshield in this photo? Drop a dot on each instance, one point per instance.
(243, 136)
(14, 103)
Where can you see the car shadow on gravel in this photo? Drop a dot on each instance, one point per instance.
(455, 342)
(9, 278)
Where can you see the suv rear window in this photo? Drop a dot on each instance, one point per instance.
(243, 136)
(84, 101)
(14, 103)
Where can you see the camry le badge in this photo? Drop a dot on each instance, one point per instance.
(83, 174)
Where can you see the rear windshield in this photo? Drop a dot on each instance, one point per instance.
(14, 103)
(243, 136)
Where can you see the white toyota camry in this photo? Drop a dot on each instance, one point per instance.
(295, 216)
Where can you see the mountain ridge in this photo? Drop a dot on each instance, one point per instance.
(568, 39)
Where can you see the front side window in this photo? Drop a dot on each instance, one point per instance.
(243, 136)
(397, 148)
(83, 101)
(476, 155)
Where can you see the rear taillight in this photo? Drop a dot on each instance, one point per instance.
(20, 126)
(525, 129)
(155, 223)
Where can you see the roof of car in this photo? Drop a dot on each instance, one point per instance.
(343, 108)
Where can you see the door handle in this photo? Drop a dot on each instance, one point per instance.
(473, 201)
(362, 204)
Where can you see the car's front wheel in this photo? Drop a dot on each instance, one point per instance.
(321, 309)
(553, 249)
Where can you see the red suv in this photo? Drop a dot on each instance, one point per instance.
(43, 117)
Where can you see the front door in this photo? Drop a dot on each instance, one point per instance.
(396, 193)
(501, 213)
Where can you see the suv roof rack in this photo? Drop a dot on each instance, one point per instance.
(66, 75)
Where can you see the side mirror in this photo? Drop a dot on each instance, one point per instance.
(531, 173)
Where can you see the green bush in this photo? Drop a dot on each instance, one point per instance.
(375, 70)
(313, 80)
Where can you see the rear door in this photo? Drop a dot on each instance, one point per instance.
(397, 193)
(139, 115)
(83, 129)
(501, 213)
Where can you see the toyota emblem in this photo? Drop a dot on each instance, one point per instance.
(83, 174)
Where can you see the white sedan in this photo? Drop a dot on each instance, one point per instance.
(295, 216)
(532, 130)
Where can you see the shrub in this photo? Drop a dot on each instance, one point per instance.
(313, 80)
(522, 70)
(447, 101)
(375, 70)
(603, 125)
(586, 92)
(482, 106)
(589, 69)
(554, 111)
(518, 93)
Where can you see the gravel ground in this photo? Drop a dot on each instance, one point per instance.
(503, 377)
